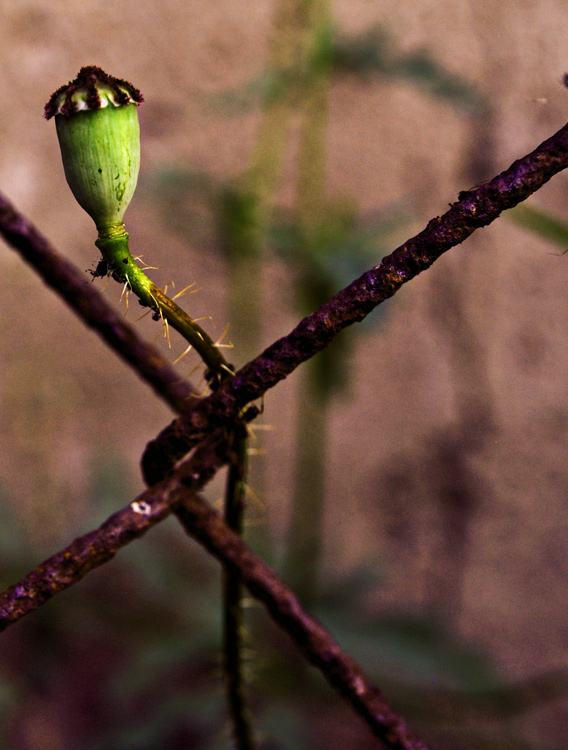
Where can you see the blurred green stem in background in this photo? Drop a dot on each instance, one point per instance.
(542, 223)
(305, 536)
(298, 62)
(244, 220)
(246, 207)
(300, 57)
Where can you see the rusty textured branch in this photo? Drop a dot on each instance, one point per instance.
(90, 551)
(90, 306)
(475, 208)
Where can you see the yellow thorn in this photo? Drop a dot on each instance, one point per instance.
(145, 266)
(143, 315)
(181, 356)
(185, 291)
(218, 343)
(124, 293)
(156, 303)
(167, 332)
(248, 602)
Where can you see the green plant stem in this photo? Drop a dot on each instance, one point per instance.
(245, 220)
(248, 207)
(114, 246)
(312, 152)
(233, 630)
(306, 532)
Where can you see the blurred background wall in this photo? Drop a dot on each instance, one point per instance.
(286, 147)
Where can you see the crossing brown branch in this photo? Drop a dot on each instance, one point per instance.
(475, 208)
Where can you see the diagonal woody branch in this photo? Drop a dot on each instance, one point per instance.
(475, 208)
(207, 526)
(84, 554)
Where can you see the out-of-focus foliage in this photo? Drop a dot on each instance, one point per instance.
(541, 222)
(372, 54)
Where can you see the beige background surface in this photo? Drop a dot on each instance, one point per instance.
(480, 338)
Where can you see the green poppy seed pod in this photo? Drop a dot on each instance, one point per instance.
(97, 126)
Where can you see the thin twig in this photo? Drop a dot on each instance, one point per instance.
(116, 251)
(91, 307)
(475, 208)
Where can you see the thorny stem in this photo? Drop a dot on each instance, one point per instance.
(474, 209)
(115, 250)
(113, 244)
(90, 306)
